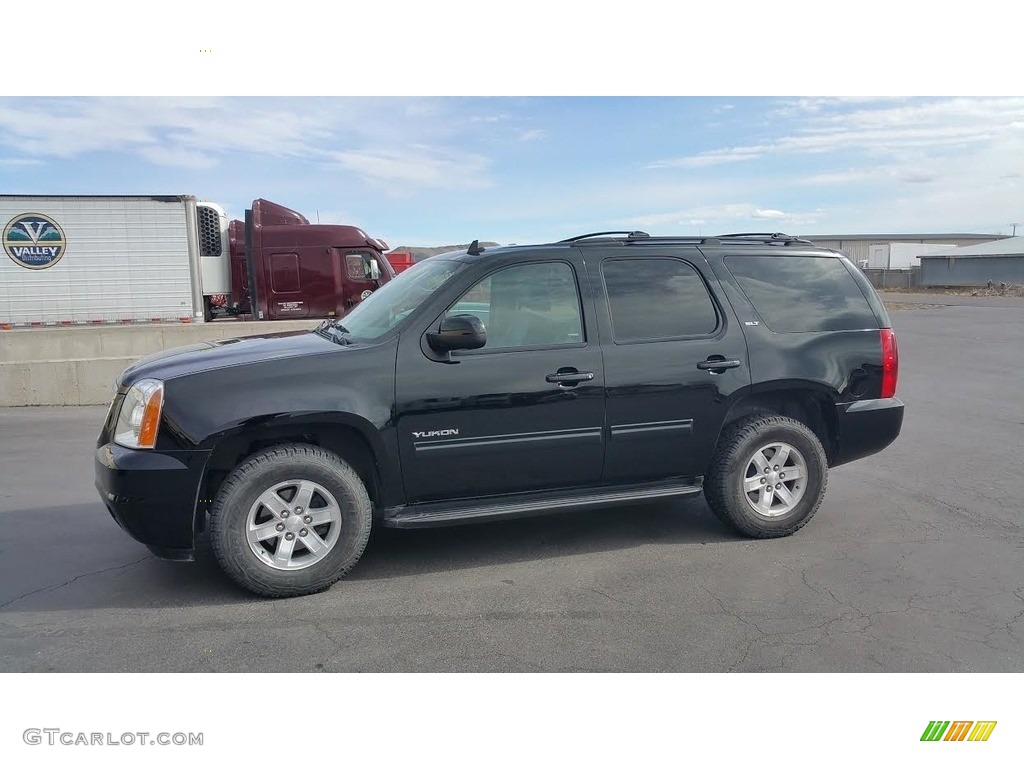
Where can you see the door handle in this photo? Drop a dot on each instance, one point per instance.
(717, 364)
(568, 377)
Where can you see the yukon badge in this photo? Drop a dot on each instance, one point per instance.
(437, 433)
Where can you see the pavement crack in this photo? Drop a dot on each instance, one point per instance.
(605, 594)
(743, 658)
(803, 578)
(55, 587)
(750, 645)
(729, 613)
(328, 637)
(1019, 594)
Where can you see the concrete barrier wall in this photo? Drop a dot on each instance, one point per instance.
(77, 366)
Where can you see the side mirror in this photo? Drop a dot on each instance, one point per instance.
(374, 270)
(458, 332)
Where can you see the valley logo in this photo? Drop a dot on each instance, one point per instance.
(34, 241)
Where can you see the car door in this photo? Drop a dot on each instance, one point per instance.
(673, 357)
(526, 411)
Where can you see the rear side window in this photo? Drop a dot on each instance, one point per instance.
(657, 298)
(795, 294)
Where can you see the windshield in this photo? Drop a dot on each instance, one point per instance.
(383, 309)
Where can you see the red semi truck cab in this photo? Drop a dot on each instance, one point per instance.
(300, 269)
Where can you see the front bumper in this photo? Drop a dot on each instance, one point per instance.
(153, 495)
(866, 427)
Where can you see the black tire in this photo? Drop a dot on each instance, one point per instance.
(723, 485)
(264, 470)
(207, 310)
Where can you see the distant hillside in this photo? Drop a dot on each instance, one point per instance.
(422, 252)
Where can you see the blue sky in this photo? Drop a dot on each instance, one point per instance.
(432, 171)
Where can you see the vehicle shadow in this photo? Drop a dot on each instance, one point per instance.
(85, 562)
(399, 553)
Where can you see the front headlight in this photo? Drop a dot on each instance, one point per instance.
(139, 418)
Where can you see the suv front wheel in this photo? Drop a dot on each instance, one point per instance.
(290, 520)
(767, 477)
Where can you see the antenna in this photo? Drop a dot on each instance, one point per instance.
(475, 249)
(318, 217)
(1014, 225)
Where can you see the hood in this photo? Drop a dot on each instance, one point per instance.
(210, 355)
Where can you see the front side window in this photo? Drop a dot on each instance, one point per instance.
(657, 298)
(529, 305)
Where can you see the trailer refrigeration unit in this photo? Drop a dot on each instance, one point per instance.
(126, 259)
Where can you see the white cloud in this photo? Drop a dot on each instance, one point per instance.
(419, 165)
(176, 157)
(728, 215)
(532, 135)
(380, 139)
(67, 128)
(17, 162)
(885, 130)
(713, 157)
(829, 178)
(912, 176)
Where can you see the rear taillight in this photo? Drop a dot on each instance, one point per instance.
(890, 363)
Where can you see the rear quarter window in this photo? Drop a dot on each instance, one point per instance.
(798, 294)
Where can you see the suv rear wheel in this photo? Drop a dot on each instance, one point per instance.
(767, 477)
(290, 520)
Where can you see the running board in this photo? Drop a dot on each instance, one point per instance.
(448, 513)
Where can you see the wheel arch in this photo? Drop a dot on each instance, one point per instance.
(349, 436)
(809, 402)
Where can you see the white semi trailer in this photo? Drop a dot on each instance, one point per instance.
(901, 255)
(72, 260)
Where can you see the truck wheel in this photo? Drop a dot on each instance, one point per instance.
(207, 310)
(290, 520)
(767, 477)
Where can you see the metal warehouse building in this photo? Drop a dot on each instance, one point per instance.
(1001, 261)
(858, 247)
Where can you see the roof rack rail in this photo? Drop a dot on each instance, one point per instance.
(634, 235)
(768, 237)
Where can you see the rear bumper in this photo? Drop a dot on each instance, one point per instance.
(866, 427)
(152, 496)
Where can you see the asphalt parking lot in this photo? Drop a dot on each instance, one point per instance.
(915, 561)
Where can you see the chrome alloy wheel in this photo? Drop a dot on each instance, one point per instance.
(775, 479)
(293, 525)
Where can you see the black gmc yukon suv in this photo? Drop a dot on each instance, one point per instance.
(598, 371)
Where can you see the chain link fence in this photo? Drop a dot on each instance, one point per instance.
(903, 279)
